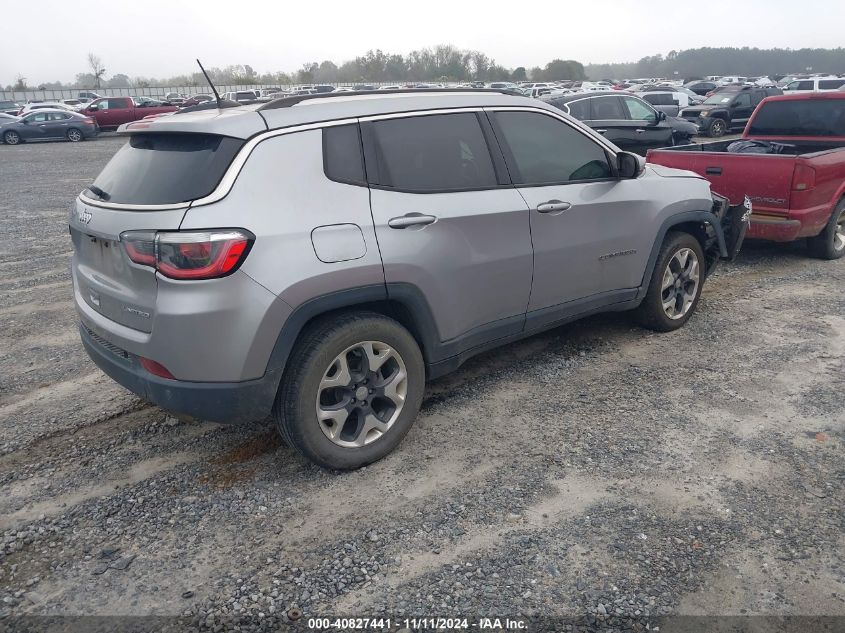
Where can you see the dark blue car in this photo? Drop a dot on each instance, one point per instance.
(48, 124)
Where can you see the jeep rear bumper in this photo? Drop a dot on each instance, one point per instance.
(226, 402)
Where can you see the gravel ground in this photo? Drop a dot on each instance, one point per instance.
(599, 473)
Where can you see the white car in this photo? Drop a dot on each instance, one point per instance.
(815, 84)
(40, 105)
(732, 79)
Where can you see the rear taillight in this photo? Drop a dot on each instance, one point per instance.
(189, 254)
(803, 178)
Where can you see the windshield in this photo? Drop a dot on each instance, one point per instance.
(165, 168)
(719, 99)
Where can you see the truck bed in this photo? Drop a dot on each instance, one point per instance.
(791, 192)
(789, 149)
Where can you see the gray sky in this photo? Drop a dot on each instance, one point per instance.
(161, 38)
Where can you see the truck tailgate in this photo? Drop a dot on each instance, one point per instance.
(765, 179)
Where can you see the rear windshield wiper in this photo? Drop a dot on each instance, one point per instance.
(102, 195)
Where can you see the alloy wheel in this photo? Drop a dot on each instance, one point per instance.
(361, 394)
(74, 136)
(839, 234)
(680, 283)
(11, 138)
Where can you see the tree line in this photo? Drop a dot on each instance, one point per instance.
(439, 63)
(445, 62)
(746, 62)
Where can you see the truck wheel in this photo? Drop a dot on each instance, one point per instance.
(74, 135)
(717, 128)
(830, 243)
(10, 137)
(675, 285)
(352, 390)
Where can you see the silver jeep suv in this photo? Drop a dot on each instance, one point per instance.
(319, 257)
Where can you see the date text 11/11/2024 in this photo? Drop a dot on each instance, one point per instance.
(416, 624)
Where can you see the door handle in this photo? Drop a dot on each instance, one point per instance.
(639, 130)
(411, 219)
(601, 131)
(553, 206)
(713, 171)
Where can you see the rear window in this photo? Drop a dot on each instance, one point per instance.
(165, 168)
(813, 117)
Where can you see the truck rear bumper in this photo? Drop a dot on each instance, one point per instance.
(799, 223)
(226, 402)
(766, 227)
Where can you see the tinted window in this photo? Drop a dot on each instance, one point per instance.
(117, 104)
(433, 153)
(638, 110)
(822, 117)
(545, 150)
(742, 100)
(831, 84)
(342, 158)
(58, 116)
(166, 168)
(606, 108)
(580, 109)
(659, 99)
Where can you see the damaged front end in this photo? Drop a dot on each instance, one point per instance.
(725, 239)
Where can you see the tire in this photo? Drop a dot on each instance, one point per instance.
(74, 135)
(830, 243)
(10, 137)
(323, 408)
(685, 277)
(717, 128)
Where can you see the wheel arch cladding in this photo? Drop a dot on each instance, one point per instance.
(688, 222)
(403, 303)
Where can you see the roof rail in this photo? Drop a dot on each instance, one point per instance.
(286, 102)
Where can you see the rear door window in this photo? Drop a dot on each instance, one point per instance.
(444, 152)
(165, 168)
(607, 109)
(117, 104)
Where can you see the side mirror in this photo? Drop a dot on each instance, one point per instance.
(629, 166)
(661, 116)
(91, 108)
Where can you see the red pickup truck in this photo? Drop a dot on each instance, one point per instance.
(790, 163)
(112, 112)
